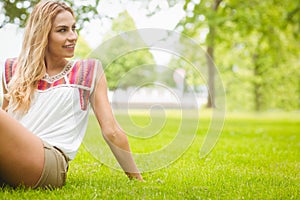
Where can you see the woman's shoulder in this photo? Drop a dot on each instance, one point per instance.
(89, 62)
(14, 59)
(10, 66)
(11, 62)
(89, 65)
(84, 71)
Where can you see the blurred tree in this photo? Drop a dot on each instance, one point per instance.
(254, 44)
(270, 50)
(204, 15)
(128, 66)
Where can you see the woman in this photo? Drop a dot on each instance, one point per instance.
(45, 109)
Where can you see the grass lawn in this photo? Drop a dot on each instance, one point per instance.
(256, 157)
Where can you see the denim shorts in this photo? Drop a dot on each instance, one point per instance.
(55, 169)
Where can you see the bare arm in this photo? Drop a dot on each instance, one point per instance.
(112, 132)
(4, 102)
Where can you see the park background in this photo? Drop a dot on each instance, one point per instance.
(255, 48)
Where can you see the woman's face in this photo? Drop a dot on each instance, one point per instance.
(62, 37)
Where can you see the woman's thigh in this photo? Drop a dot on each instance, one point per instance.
(21, 153)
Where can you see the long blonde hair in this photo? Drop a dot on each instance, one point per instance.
(31, 64)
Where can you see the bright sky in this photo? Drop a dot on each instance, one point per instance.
(167, 18)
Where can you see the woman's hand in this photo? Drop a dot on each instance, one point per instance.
(136, 176)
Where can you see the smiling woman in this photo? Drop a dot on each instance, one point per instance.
(62, 40)
(44, 114)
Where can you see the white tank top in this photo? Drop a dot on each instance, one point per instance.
(60, 108)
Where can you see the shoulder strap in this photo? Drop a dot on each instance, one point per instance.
(9, 70)
(83, 75)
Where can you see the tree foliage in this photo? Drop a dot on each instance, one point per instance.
(128, 67)
(254, 47)
(17, 12)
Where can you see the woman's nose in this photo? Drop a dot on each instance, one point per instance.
(73, 35)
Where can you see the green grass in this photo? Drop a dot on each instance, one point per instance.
(256, 157)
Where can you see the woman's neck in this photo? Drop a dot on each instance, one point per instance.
(54, 67)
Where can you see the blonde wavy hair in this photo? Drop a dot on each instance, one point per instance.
(31, 64)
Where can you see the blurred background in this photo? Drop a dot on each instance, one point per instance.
(254, 45)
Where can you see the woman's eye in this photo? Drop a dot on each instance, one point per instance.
(62, 30)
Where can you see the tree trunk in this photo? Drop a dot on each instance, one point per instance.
(211, 77)
(257, 85)
(210, 57)
(257, 96)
